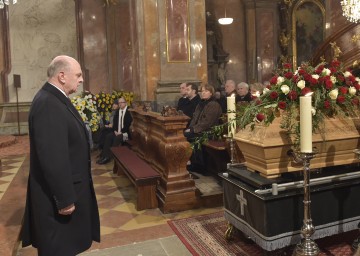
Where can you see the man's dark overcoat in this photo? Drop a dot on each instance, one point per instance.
(59, 175)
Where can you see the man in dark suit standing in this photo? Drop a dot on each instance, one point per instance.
(121, 128)
(61, 213)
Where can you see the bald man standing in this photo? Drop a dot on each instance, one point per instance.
(61, 214)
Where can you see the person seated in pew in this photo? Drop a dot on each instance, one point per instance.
(194, 99)
(230, 89)
(183, 99)
(243, 93)
(206, 115)
(107, 128)
(120, 134)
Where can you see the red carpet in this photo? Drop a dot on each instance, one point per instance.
(204, 236)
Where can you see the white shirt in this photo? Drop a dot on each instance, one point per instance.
(121, 118)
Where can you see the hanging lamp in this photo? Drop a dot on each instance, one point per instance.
(225, 20)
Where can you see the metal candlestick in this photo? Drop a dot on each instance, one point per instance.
(307, 246)
(356, 244)
(231, 141)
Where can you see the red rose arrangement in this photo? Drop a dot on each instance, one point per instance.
(335, 92)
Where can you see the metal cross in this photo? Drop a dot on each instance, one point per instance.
(242, 201)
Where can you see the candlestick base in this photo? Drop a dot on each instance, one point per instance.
(307, 246)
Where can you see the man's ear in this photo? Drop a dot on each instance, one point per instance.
(61, 77)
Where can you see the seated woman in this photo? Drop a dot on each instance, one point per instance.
(243, 93)
(206, 115)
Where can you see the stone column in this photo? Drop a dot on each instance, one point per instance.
(262, 38)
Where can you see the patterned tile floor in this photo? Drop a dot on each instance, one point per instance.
(121, 223)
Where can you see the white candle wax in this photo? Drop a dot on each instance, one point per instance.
(305, 124)
(231, 107)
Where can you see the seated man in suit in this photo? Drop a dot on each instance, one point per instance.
(121, 131)
(108, 128)
(183, 97)
(193, 99)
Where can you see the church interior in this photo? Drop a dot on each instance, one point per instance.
(144, 50)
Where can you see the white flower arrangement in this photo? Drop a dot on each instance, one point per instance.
(86, 105)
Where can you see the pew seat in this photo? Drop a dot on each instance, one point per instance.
(144, 178)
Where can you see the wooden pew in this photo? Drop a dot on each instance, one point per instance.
(141, 175)
(216, 156)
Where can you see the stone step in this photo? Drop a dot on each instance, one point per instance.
(7, 140)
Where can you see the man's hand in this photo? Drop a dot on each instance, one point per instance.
(67, 210)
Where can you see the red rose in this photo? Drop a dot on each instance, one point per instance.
(282, 105)
(341, 78)
(340, 99)
(292, 95)
(288, 75)
(287, 65)
(307, 77)
(328, 84)
(274, 95)
(305, 90)
(319, 70)
(313, 81)
(343, 90)
(260, 117)
(301, 72)
(333, 70)
(335, 63)
(258, 101)
(273, 80)
(326, 104)
(352, 79)
(295, 78)
(357, 86)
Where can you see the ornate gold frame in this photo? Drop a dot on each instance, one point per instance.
(293, 24)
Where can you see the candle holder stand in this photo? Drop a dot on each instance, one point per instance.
(231, 141)
(307, 246)
(356, 244)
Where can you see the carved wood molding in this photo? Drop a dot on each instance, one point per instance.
(324, 47)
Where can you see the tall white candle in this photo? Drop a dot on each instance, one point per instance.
(305, 124)
(231, 107)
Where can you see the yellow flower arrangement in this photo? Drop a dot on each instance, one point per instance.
(86, 105)
(104, 101)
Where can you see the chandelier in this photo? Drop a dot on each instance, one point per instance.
(7, 2)
(351, 10)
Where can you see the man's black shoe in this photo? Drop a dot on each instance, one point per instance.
(104, 160)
